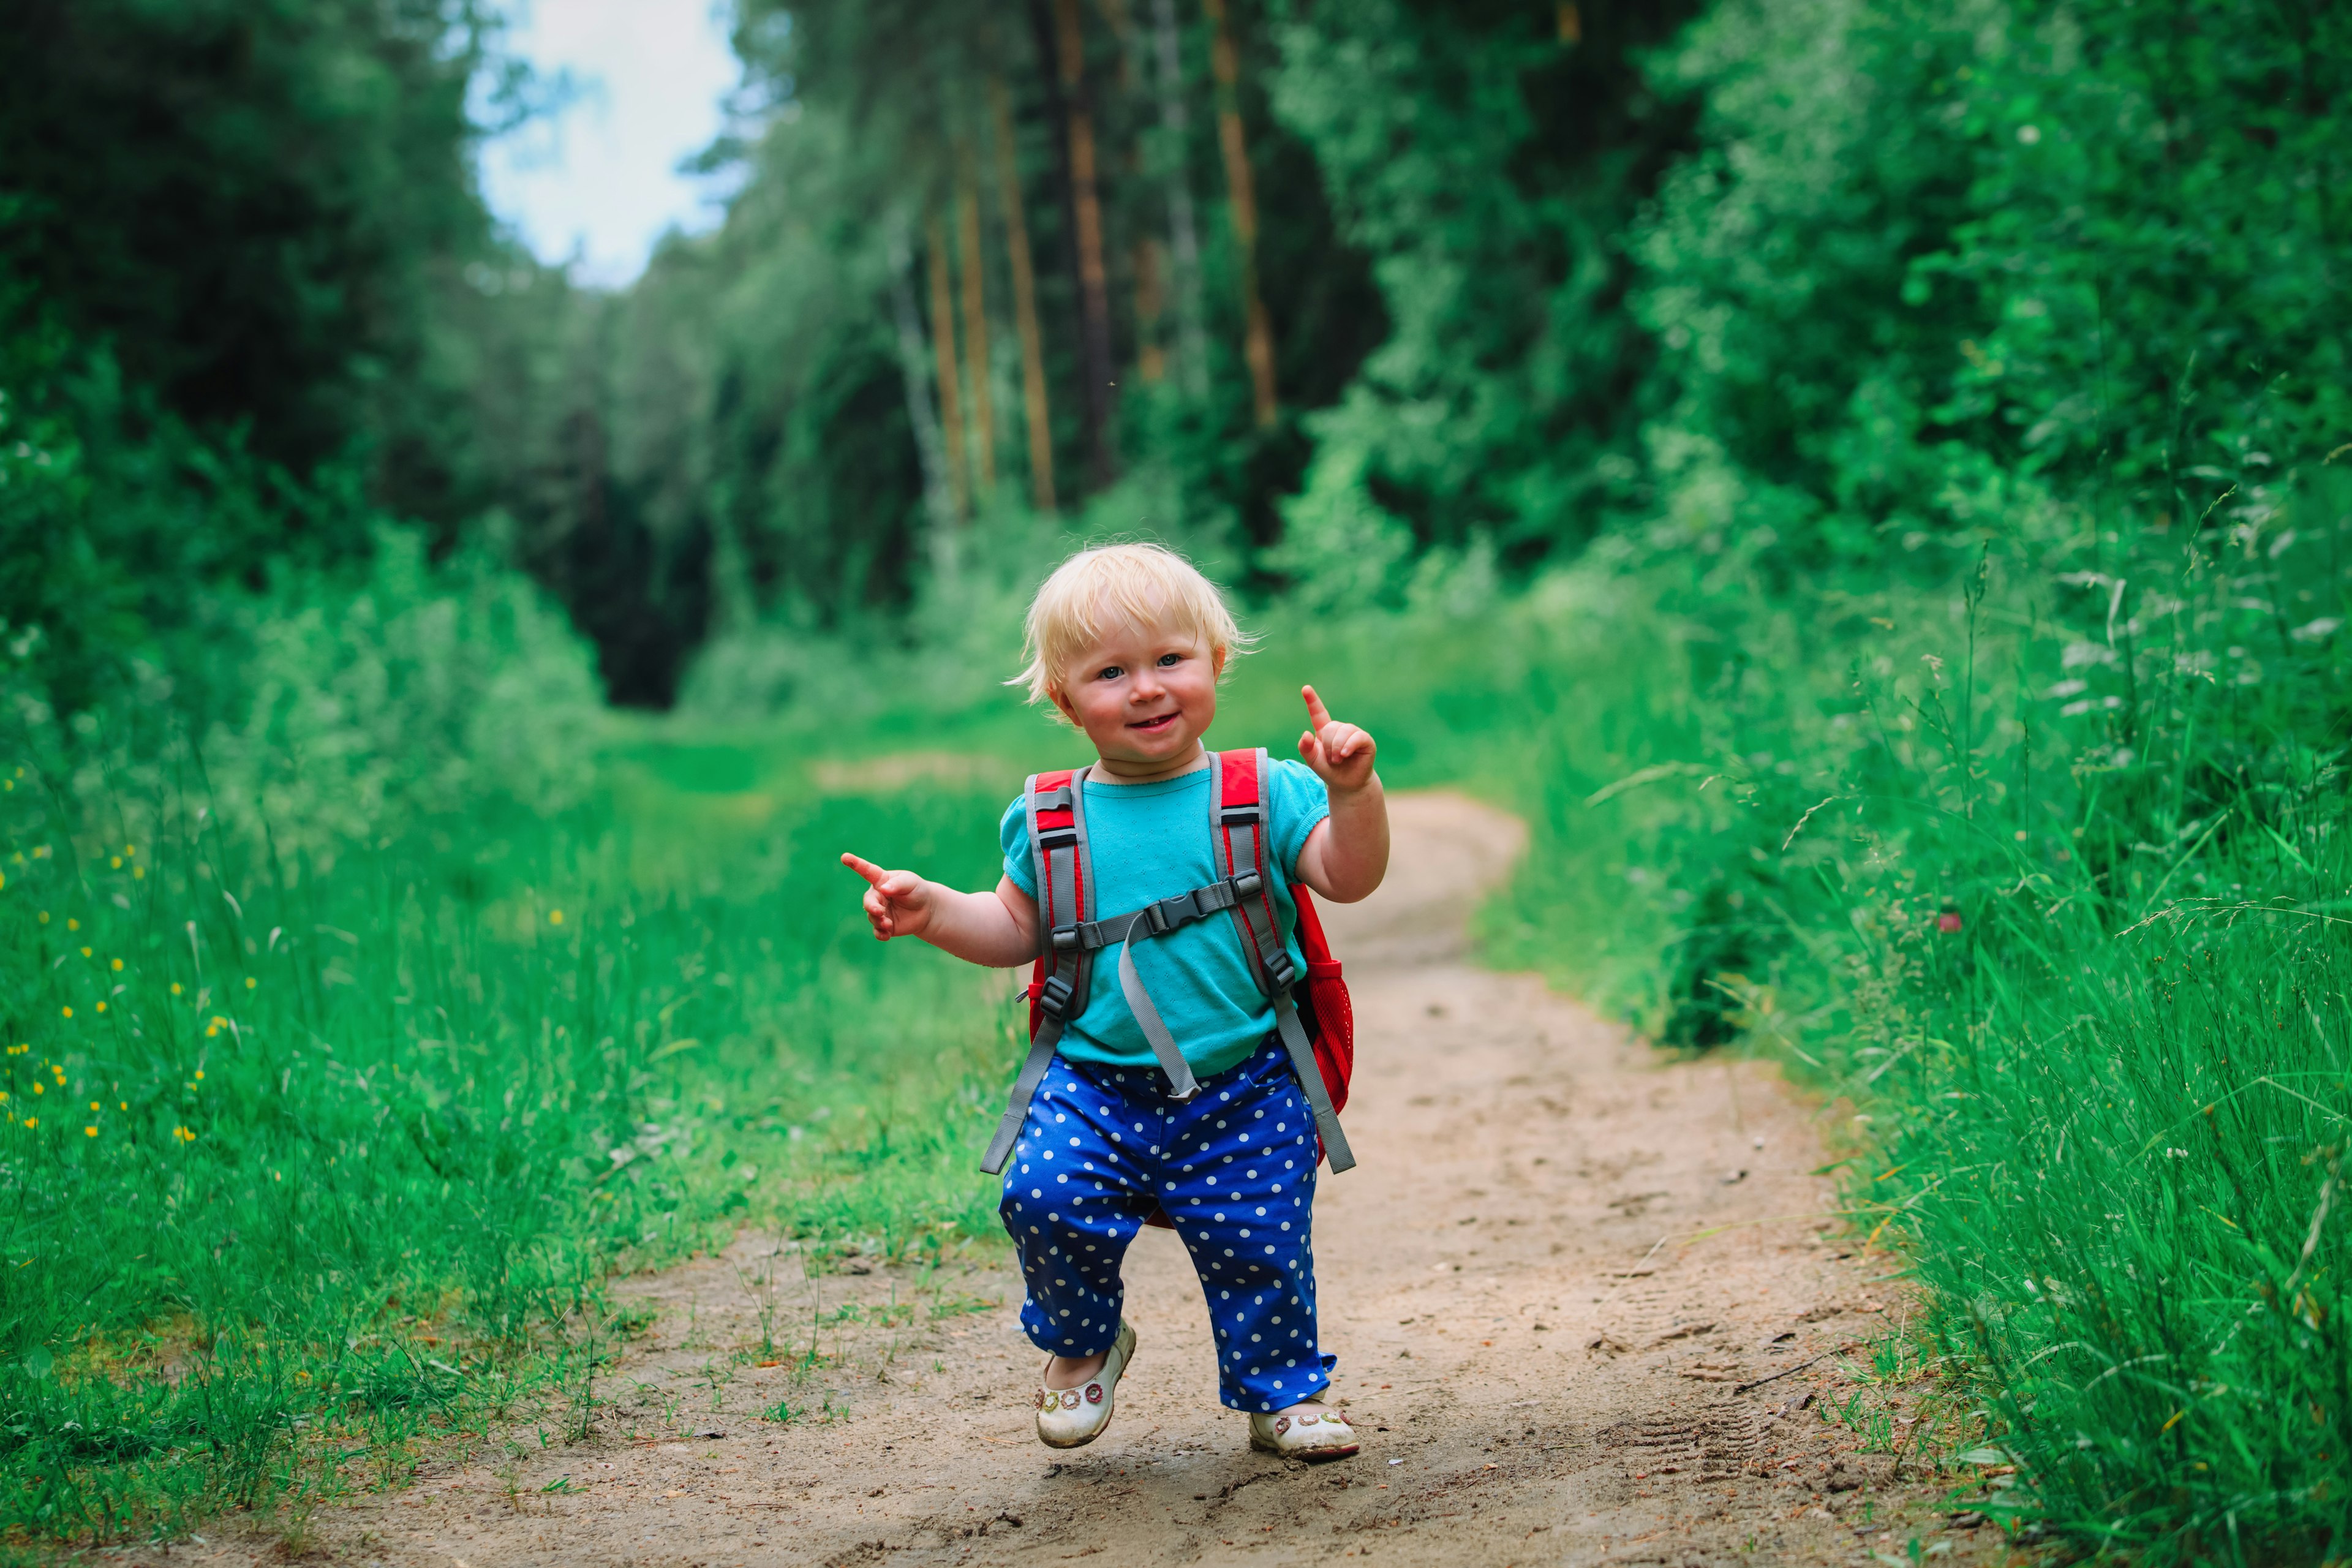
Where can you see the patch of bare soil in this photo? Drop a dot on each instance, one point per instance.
(1588, 1303)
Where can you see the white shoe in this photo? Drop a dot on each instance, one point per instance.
(1301, 1433)
(1072, 1418)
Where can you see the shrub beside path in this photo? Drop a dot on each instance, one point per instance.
(1589, 1304)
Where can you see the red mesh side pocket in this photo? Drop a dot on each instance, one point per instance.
(1330, 1019)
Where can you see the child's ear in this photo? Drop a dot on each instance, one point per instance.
(1061, 704)
(1217, 661)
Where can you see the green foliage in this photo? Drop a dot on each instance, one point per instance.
(1925, 253)
(1490, 165)
(254, 202)
(121, 526)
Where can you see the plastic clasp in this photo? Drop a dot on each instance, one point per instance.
(1064, 937)
(1054, 997)
(1247, 883)
(1281, 971)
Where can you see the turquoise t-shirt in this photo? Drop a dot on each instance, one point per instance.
(1148, 842)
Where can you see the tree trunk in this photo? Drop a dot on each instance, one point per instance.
(1033, 410)
(943, 348)
(1151, 359)
(1258, 344)
(1183, 233)
(919, 414)
(1145, 265)
(975, 320)
(1061, 46)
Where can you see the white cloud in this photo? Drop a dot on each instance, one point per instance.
(600, 182)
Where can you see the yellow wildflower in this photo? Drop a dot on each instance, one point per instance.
(200, 1074)
(45, 917)
(251, 982)
(211, 1030)
(101, 1006)
(90, 1131)
(114, 862)
(84, 952)
(31, 1121)
(555, 917)
(138, 873)
(67, 1011)
(40, 1088)
(183, 1135)
(72, 924)
(176, 988)
(118, 964)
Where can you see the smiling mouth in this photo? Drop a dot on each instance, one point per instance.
(1154, 725)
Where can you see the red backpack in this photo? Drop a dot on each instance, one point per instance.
(1311, 1010)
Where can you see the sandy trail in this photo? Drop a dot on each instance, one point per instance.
(1561, 1263)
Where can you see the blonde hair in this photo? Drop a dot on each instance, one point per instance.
(1139, 585)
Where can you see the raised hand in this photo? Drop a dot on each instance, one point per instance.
(1341, 753)
(898, 903)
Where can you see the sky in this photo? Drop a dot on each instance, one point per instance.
(598, 184)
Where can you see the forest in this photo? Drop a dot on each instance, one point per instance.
(1869, 482)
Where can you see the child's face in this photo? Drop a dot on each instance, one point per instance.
(1144, 695)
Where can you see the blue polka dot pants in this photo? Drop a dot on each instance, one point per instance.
(1234, 1170)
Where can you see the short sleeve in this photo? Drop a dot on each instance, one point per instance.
(1019, 864)
(1296, 800)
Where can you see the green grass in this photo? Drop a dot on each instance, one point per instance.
(307, 1165)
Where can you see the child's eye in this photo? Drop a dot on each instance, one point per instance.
(1109, 672)
(1168, 659)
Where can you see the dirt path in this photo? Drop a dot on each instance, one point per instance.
(1551, 1283)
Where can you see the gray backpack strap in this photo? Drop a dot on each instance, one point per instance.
(1182, 1087)
(1065, 883)
(1241, 831)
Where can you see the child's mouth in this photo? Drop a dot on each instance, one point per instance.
(1153, 726)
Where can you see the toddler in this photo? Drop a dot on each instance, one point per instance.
(1170, 1092)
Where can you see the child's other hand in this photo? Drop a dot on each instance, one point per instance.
(898, 903)
(1341, 753)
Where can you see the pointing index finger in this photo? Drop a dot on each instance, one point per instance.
(1317, 714)
(865, 868)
